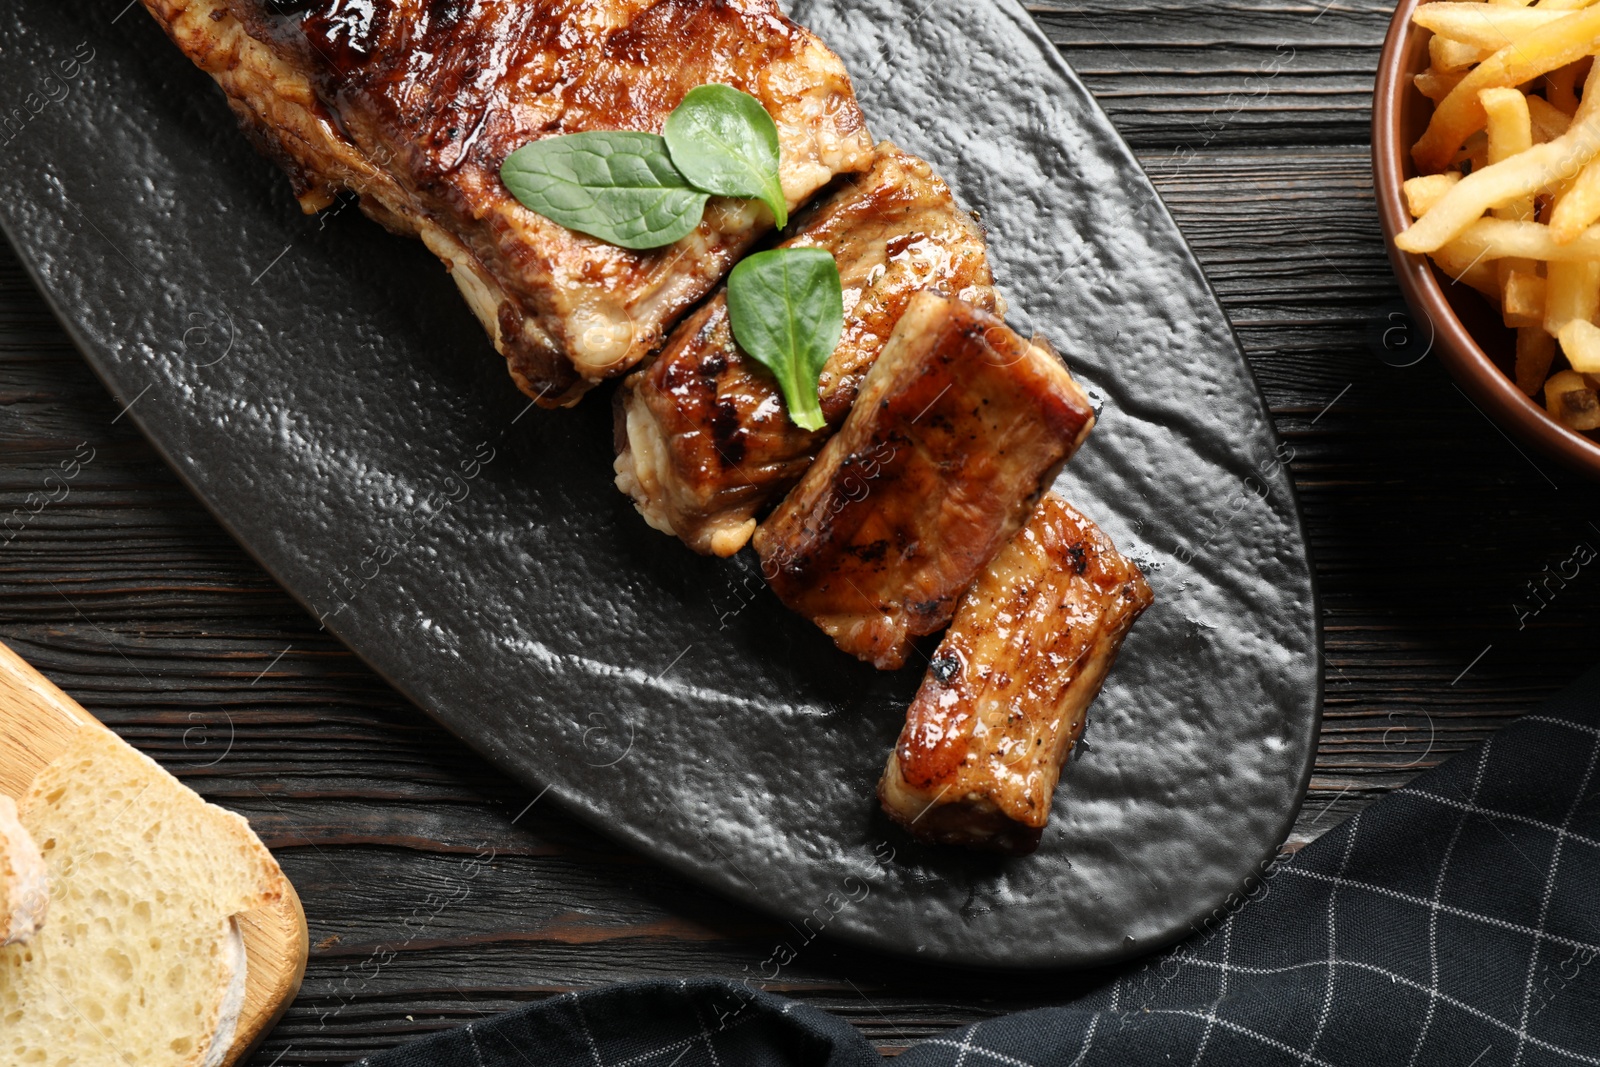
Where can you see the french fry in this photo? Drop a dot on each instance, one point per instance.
(1591, 91)
(1509, 124)
(1503, 270)
(1522, 302)
(1508, 197)
(1536, 350)
(1571, 402)
(1580, 342)
(1436, 85)
(1450, 56)
(1572, 292)
(1561, 87)
(1424, 192)
(1545, 49)
(1510, 133)
(1492, 239)
(1580, 207)
(1549, 122)
(1474, 154)
(1481, 25)
(1469, 268)
(1504, 182)
(1580, 75)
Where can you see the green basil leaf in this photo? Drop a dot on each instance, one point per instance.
(786, 308)
(726, 143)
(617, 185)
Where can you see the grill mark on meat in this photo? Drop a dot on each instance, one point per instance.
(894, 232)
(728, 433)
(913, 468)
(984, 745)
(415, 104)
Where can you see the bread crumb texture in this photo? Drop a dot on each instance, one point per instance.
(135, 964)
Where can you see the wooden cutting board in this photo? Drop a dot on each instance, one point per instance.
(37, 723)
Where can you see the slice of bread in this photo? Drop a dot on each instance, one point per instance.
(24, 884)
(142, 962)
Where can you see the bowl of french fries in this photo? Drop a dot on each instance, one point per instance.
(1486, 163)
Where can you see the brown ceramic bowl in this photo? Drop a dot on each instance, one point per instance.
(1466, 330)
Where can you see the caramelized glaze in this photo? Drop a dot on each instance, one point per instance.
(960, 426)
(706, 441)
(1006, 694)
(415, 104)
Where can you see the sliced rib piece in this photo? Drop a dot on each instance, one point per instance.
(414, 105)
(1004, 700)
(704, 439)
(960, 427)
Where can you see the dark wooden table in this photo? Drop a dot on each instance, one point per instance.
(1427, 524)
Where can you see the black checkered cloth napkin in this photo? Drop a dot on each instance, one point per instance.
(1454, 924)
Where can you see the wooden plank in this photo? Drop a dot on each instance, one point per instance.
(1234, 74)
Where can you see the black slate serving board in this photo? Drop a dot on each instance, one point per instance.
(320, 385)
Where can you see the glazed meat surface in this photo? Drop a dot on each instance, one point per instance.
(1004, 700)
(705, 442)
(415, 104)
(959, 428)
